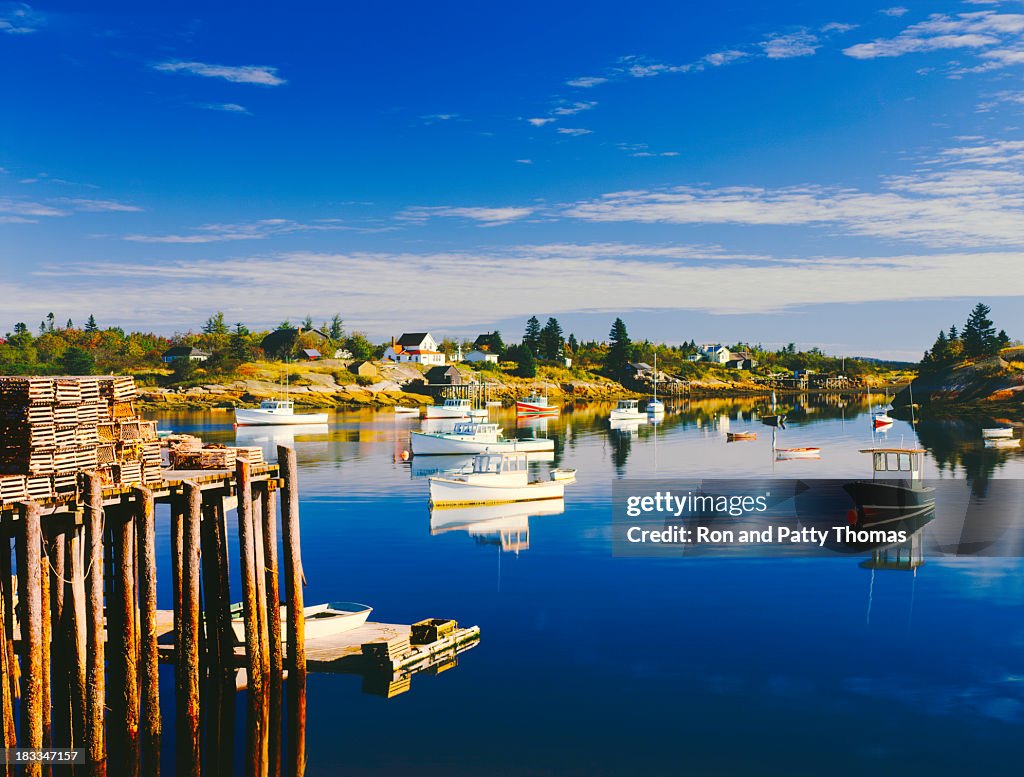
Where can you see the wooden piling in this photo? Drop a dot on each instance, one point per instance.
(95, 737)
(74, 617)
(296, 615)
(177, 511)
(60, 702)
(216, 596)
(46, 709)
(247, 551)
(124, 648)
(188, 636)
(263, 611)
(145, 528)
(28, 545)
(8, 730)
(268, 503)
(7, 588)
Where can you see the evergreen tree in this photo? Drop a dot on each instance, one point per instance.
(618, 353)
(77, 361)
(337, 328)
(70, 324)
(215, 325)
(953, 334)
(573, 343)
(286, 324)
(552, 344)
(307, 322)
(91, 325)
(1003, 339)
(49, 322)
(979, 335)
(531, 337)
(527, 363)
(497, 344)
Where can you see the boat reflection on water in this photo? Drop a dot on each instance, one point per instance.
(506, 526)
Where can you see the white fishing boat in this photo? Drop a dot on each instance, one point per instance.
(535, 404)
(655, 408)
(628, 410)
(997, 433)
(454, 408)
(1004, 443)
(467, 437)
(404, 410)
(276, 412)
(497, 478)
(322, 620)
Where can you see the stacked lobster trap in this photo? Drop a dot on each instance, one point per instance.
(52, 429)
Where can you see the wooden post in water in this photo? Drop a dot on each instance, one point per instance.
(7, 587)
(46, 629)
(268, 505)
(75, 631)
(296, 617)
(28, 544)
(215, 584)
(262, 610)
(145, 527)
(125, 650)
(95, 739)
(59, 673)
(187, 638)
(9, 731)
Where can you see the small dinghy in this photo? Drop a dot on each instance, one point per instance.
(403, 410)
(1002, 443)
(998, 433)
(783, 454)
(737, 436)
(563, 473)
(322, 620)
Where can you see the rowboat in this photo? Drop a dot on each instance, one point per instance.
(322, 620)
(1002, 443)
(276, 412)
(454, 408)
(497, 478)
(403, 410)
(535, 404)
(563, 473)
(468, 437)
(784, 454)
(997, 433)
(736, 436)
(628, 410)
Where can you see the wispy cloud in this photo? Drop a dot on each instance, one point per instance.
(541, 121)
(586, 82)
(572, 108)
(524, 161)
(19, 19)
(719, 58)
(239, 74)
(801, 43)
(27, 210)
(838, 27)
(225, 107)
(484, 217)
(896, 10)
(574, 131)
(100, 206)
(253, 230)
(434, 118)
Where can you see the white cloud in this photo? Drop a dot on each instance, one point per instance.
(572, 108)
(239, 74)
(19, 19)
(838, 27)
(524, 161)
(619, 278)
(574, 131)
(586, 82)
(942, 32)
(719, 58)
(896, 10)
(27, 209)
(225, 107)
(792, 44)
(436, 117)
(224, 233)
(101, 206)
(484, 217)
(540, 122)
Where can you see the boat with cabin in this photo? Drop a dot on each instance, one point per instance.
(276, 412)
(454, 407)
(468, 437)
(535, 404)
(497, 478)
(628, 410)
(896, 490)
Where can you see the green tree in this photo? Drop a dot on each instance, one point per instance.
(307, 322)
(215, 325)
(50, 318)
(527, 363)
(497, 344)
(619, 350)
(183, 369)
(337, 328)
(552, 342)
(531, 337)
(979, 334)
(360, 347)
(573, 344)
(77, 361)
(91, 325)
(1003, 339)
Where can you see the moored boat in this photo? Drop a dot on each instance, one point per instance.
(322, 620)
(454, 407)
(895, 492)
(810, 452)
(467, 437)
(737, 436)
(535, 404)
(628, 410)
(563, 473)
(1002, 443)
(497, 478)
(997, 433)
(405, 410)
(276, 412)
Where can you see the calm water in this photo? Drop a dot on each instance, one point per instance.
(593, 665)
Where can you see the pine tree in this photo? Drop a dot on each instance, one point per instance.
(618, 353)
(215, 325)
(979, 334)
(940, 351)
(531, 337)
(552, 344)
(573, 343)
(1003, 339)
(70, 324)
(307, 323)
(497, 344)
(337, 329)
(527, 364)
(49, 322)
(91, 325)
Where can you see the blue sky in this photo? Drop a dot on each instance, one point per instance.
(844, 174)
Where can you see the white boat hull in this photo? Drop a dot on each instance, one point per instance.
(445, 492)
(454, 413)
(797, 453)
(1001, 442)
(627, 415)
(321, 621)
(1003, 433)
(403, 410)
(255, 417)
(451, 445)
(528, 408)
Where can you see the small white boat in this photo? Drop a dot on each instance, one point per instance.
(881, 419)
(535, 404)
(497, 478)
(468, 437)
(655, 408)
(454, 408)
(998, 433)
(1002, 443)
(628, 410)
(276, 412)
(404, 410)
(563, 473)
(322, 620)
(784, 454)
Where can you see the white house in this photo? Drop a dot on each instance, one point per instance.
(416, 347)
(182, 352)
(716, 353)
(481, 356)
